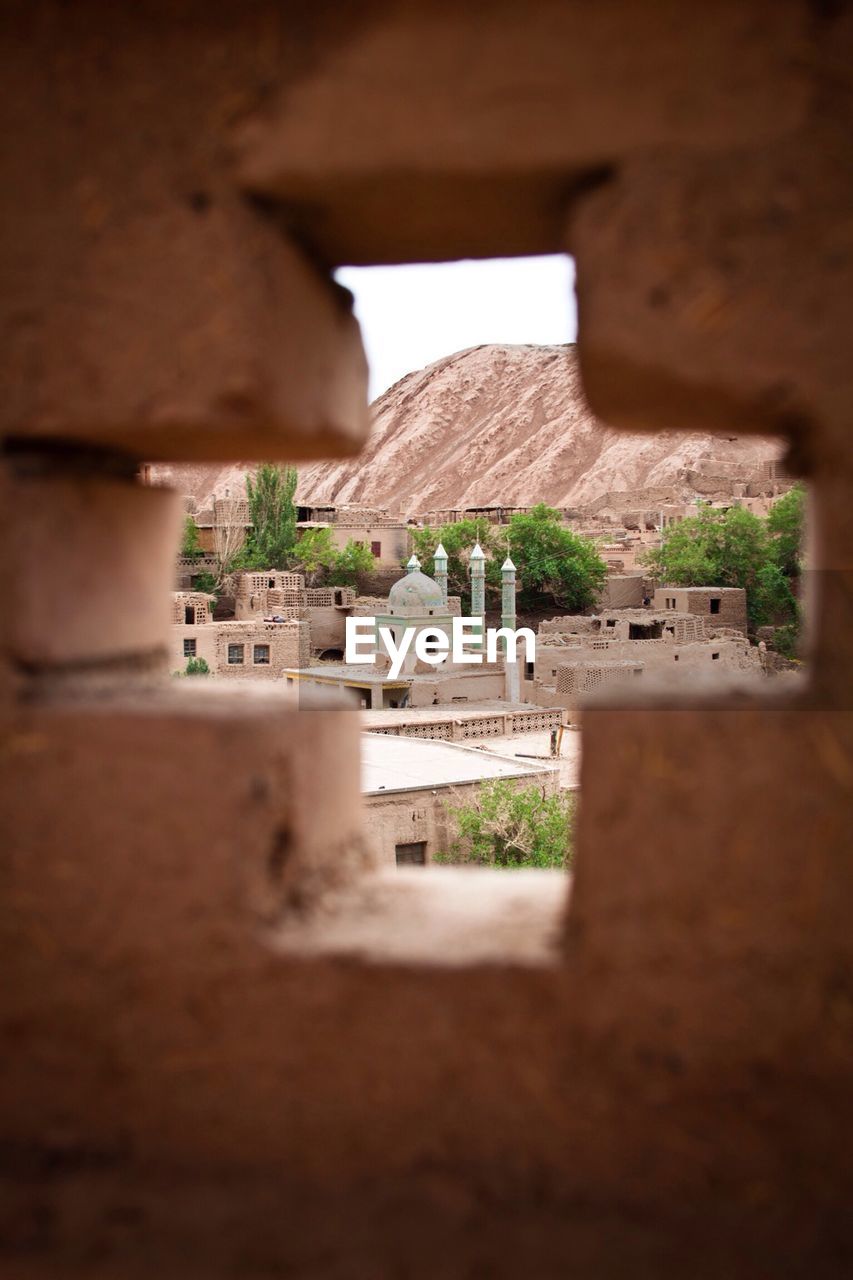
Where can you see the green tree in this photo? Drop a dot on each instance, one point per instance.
(272, 541)
(197, 667)
(715, 548)
(508, 826)
(190, 544)
(786, 526)
(555, 566)
(458, 540)
(314, 555)
(354, 559)
(734, 548)
(773, 600)
(207, 583)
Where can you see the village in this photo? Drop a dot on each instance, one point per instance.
(440, 736)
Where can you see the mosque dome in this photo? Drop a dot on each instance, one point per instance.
(416, 591)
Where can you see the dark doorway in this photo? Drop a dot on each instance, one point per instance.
(411, 855)
(637, 631)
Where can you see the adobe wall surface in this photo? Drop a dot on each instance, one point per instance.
(732, 607)
(622, 591)
(230, 1048)
(186, 603)
(416, 816)
(327, 627)
(654, 655)
(394, 540)
(267, 649)
(413, 816)
(495, 720)
(476, 685)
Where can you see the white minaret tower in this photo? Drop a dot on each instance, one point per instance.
(413, 565)
(439, 559)
(511, 680)
(477, 565)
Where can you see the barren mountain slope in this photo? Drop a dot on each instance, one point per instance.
(494, 424)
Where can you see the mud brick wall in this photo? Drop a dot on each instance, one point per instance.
(732, 606)
(229, 1045)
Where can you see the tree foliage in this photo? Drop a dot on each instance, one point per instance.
(207, 583)
(786, 526)
(508, 826)
(190, 544)
(735, 548)
(197, 667)
(354, 559)
(555, 566)
(458, 540)
(272, 509)
(229, 537)
(314, 555)
(713, 548)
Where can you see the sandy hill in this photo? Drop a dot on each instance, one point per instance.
(496, 424)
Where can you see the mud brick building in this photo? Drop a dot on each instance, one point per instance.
(229, 1045)
(720, 606)
(697, 646)
(409, 820)
(386, 536)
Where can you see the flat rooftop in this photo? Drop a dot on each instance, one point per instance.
(538, 746)
(390, 764)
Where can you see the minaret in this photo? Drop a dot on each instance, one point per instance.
(478, 589)
(508, 594)
(511, 681)
(413, 565)
(439, 559)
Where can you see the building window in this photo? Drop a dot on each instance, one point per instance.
(189, 648)
(189, 615)
(271, 582)
(235, 655)
(411, 855)
(675, 657)
(715, 605)
(714, 657)
(262, 655)
(528, 670)
(376, 549)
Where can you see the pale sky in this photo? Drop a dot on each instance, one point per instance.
(412, 315)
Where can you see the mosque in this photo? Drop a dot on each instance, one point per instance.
(417, 602)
